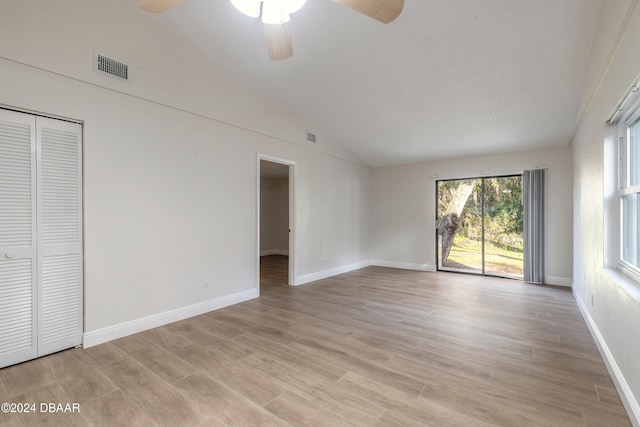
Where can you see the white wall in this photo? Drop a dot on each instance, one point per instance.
(614, 315)
(333, 216)
(405, 197)
(170, 162)
(274, 216)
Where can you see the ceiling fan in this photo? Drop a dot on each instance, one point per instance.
(276, 15)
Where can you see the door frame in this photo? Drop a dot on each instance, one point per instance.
(483, 271)
(292, 230)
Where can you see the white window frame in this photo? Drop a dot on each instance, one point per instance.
(629, 113)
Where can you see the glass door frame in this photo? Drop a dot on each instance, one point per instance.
(482, 271)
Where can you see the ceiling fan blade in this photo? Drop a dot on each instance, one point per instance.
(157, 6)
(279, 40)
(384, 11)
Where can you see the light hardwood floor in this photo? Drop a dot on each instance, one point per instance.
(374, 347)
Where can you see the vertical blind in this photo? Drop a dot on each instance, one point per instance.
(533, 183)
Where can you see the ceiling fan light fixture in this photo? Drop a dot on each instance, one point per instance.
(273, 12)
(276, 16)
(248, 7)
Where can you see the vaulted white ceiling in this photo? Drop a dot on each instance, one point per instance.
(448, 78)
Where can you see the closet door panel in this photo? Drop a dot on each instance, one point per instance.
(59, 234)
(18, 272)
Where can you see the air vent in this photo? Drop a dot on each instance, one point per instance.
(311, 137)
(112, 67)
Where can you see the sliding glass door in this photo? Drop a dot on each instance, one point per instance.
(460, 225)
(480, 225)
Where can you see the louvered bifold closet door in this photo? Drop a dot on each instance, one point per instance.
(18, 264)
(59, 219)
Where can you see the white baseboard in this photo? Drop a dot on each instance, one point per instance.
(403, 265)
(626, 395)
(558, 281)
(268, 252)
(301, 280)
(110, 333)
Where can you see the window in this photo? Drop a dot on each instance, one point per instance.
(629, 188)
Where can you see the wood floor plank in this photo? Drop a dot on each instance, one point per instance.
(357, 364)
(115, 409)
(296, 323)
(284, 374)
(26, 377)
(230, 348)
(424, 368)
(410, 406)
(203, 357)
(258, 325)
(6, 418)
(496, 406)
(51, 393)
(161, 402)
(298, 411)
(393, 419)
(253, 385)
(100, 355)
(608, 395)
(326, 395)
(222, 405)
(161, 362)
(79, 381)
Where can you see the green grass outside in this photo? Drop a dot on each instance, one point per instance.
(467, 254)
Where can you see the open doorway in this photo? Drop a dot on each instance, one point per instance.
(275, 244)
(480, 226)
